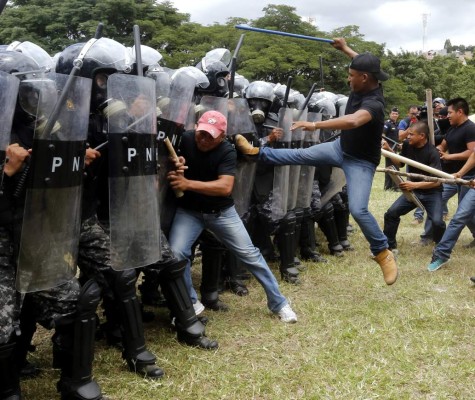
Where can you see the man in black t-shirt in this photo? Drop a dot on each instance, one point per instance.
(357, 151)
(455, 149)
(417, 148)
(207, 182)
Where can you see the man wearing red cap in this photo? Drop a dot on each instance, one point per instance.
(357, 151)
(207, 183)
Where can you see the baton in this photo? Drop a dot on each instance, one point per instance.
(171, 150)
(307, 100)
(138, 50)
(101, 145)
(294, 35)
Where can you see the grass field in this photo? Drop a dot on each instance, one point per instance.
(356, 338)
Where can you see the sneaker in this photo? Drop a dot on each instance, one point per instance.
(388, 265)
(472, 279)
(287, 315)
(436, 263)
(417, 221)
(199, 307)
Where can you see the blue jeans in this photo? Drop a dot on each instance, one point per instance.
(447, 192)
(359, 179)
(228, 227)
(462, 217)
(432, 202)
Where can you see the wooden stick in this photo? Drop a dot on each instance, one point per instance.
(430, 116)
(171, 150)
(412, 163)
(426, 178)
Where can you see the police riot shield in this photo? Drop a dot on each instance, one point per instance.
(335, 185)
(307, 172)
(133, 181)
(52, 214)
(294, 170)
(8, 96)
(280, 187)
(240, 122)
(209, 103)
(171, 125)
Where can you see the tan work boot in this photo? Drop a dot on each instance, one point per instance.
(386, 261)
(244, 147)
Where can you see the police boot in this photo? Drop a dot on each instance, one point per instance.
(9, 378)
(328, 226)
(285, 239)
(308, 248)
(233, 269)
(139, 359)
(73, 348)
(212, 257)
(189, 329)
(341, 220)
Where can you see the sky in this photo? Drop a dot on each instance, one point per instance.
(399, 24)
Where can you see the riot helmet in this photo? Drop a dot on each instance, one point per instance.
(150, 56)
(35, 52)
(15, 63)
(97, 59)
(219, 54)
(259, 95)
(217, 73)
(322, 104)
(240, 84)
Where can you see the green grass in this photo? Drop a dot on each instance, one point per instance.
(356, 338)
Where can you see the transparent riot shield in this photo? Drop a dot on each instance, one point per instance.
(280, 188)
(133, 181)
(52, 215)
(307, 172)
(8, 96)
(171, 125)
(294, 170)
(240, 122)
(208, 103)
(335, 185)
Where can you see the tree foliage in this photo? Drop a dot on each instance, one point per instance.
(55, 25)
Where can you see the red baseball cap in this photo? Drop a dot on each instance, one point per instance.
(212, 122)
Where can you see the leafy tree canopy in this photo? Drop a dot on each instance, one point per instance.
(55, 25)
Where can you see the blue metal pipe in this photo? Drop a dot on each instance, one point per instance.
(294, 35)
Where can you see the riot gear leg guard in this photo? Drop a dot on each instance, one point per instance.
(23, 342)
(341, 220)
(328, 226)
(298, 224)
(10, 380)
(212, 257)
(139, 359)
(189, 329)
(232, 281)
(286, 243)
(308, 248)
(73, 348)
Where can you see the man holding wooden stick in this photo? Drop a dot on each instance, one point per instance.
(416, 148)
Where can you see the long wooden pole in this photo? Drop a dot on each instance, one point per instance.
(425, 178)
(412, 163)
